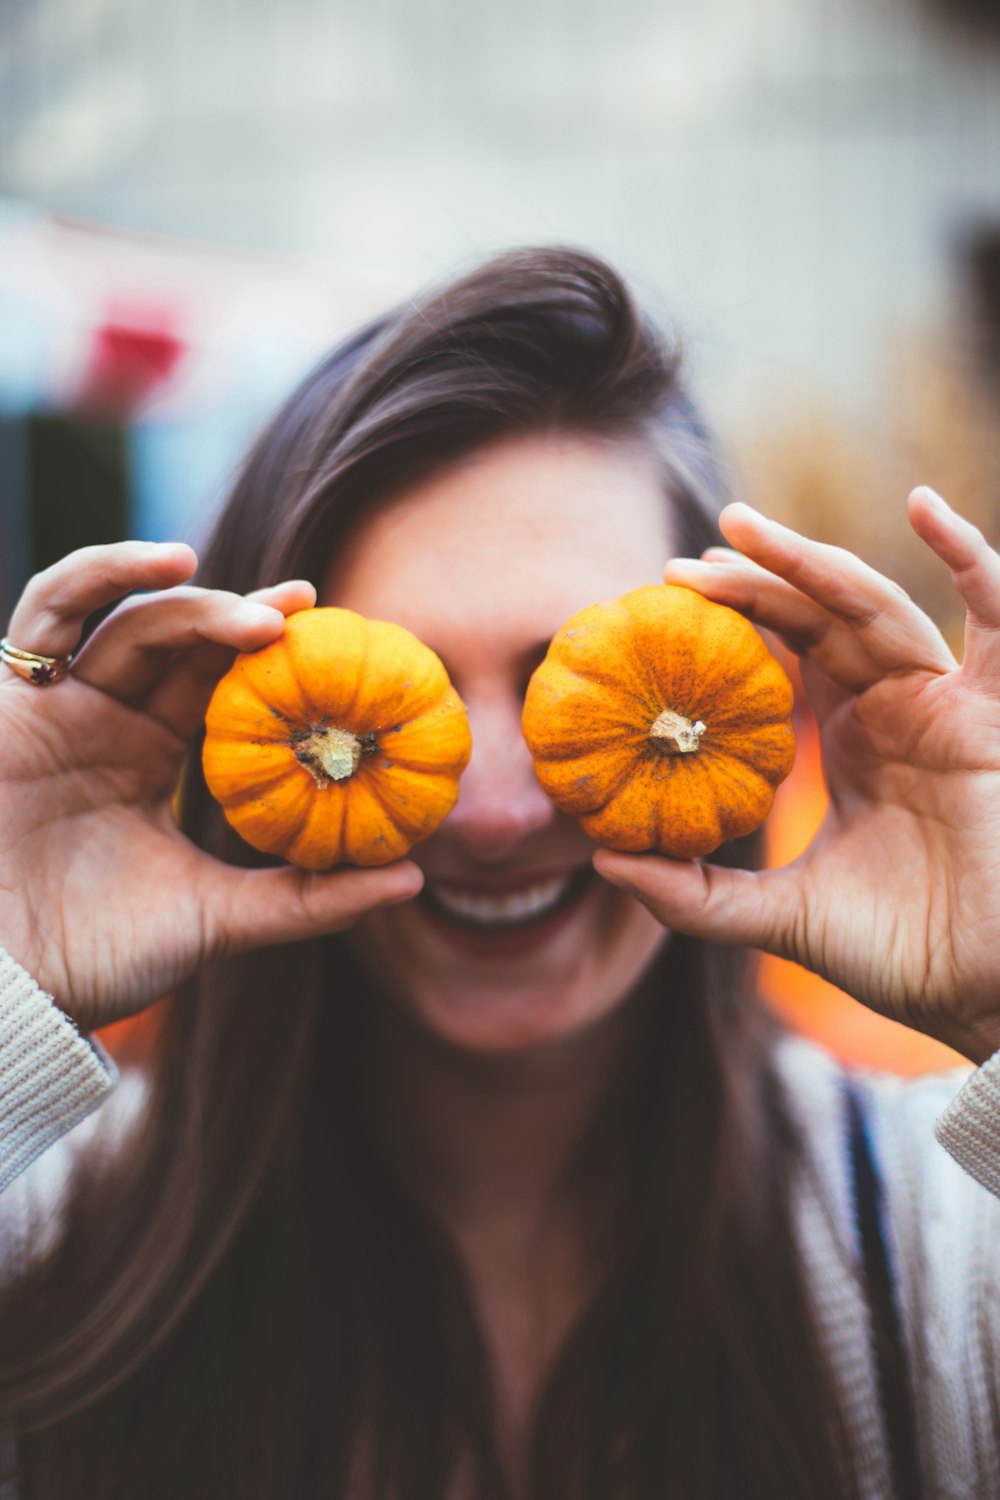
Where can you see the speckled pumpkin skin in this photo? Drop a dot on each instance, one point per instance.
(610, 672)
(334, 668)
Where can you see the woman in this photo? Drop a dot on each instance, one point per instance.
(475, 1175)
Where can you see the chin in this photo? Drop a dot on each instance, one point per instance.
(521, 982)
(509, 1025)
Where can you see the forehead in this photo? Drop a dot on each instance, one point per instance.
(519, 534)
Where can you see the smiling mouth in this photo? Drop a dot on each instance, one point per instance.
(498, 910)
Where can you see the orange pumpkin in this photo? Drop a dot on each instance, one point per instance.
(660, 721)
(343, 741)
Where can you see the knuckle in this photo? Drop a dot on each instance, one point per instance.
(843, 557)
(36, 607)
(33, 595)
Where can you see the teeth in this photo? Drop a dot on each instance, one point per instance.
(501, 911)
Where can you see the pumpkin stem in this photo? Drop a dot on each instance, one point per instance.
(330, 754)
(675, 734)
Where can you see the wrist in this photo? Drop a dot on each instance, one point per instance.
(50, 1075)
(978, 1043)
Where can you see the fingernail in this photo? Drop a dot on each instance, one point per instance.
(261, 614)
(288, 583)
(398, 897)
(722, 555)
(937, 502)
(164, 549)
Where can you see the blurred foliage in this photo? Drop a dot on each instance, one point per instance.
(844, 478)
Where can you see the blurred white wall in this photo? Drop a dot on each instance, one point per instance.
(791, 180)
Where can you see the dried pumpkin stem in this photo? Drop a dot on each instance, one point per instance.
(675, 734)
(330, 754)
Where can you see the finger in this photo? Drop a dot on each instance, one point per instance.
(851, 659)
(252, 908)
(166, 654)
(50, 613)
(722, 555)
(130, 651)
(975, 570)
(292, 595)
(831, 576)
(895, 635)
(705, 901)
(181, 698)
(765, 599)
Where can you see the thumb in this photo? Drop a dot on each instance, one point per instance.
(701, 900)
(256, 908)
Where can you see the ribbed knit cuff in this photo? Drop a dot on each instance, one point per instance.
(969, 1128)
(50, 1075)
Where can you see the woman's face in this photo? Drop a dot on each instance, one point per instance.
(515, 941)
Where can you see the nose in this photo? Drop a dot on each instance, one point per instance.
(500, 802)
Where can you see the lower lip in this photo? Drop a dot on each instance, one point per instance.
(503, 942)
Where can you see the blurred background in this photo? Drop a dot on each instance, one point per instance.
(197, 198)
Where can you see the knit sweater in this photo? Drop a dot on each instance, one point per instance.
(937, 1148)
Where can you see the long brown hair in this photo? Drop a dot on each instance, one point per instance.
(252, 1285)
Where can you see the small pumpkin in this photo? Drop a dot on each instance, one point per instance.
(342, 741)
(660, 721)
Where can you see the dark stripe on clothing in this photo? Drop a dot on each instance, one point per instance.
(890, 1351)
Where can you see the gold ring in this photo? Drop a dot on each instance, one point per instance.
(41, 670)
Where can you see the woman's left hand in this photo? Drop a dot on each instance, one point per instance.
(897, 898)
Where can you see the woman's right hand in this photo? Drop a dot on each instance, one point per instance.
(102, 898)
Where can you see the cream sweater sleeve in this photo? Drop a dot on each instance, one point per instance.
(969, 1127)
(51, 1077)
